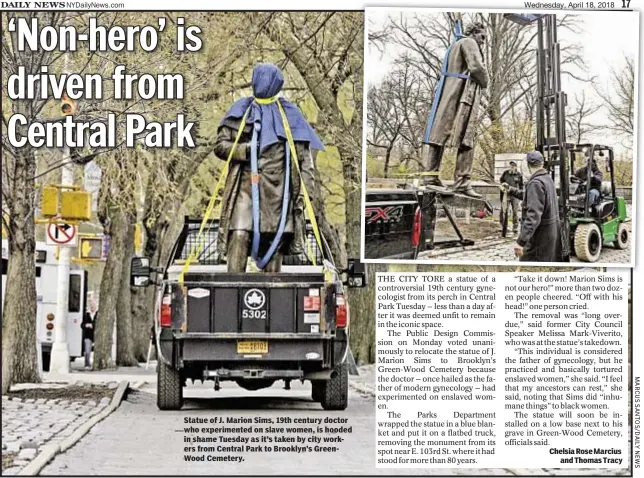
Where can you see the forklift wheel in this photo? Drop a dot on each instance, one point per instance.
(588, 242)
(621, 242)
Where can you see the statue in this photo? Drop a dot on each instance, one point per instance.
(262, 212)
(455, 119)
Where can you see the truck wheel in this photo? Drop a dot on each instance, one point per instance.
(169, 388)
(621, 241)
(335, 392)
(588, 242)
(46, 361)
(317, 389)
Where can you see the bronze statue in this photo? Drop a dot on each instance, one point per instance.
(263, 212)
(454, 123)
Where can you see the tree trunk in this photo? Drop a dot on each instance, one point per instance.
(387, 158)
(19, 361)
(110, 288)
(124, 327)
(361, 301)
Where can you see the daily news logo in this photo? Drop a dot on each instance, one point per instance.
(16, 5)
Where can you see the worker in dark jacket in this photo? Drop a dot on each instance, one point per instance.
(259, 208)
(540, 237)
(596, 177)
(513, 178)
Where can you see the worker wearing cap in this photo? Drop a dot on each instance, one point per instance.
(540, 237)
(513, 178)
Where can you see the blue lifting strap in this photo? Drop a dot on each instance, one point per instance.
(254, 168)
(441, 82)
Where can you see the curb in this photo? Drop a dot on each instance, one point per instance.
(50, 451)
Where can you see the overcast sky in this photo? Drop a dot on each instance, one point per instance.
(606, 38)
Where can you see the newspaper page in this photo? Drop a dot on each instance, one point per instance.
(346, 240)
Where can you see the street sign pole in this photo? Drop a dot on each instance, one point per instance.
(60, 349)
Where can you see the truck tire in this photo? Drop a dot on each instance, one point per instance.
(588, 242)
(317, 389)
(169, 388)
(335, 392)
(621, 241)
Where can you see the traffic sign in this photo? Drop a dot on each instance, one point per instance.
(92, 181)
(63, 235)
(91, 248)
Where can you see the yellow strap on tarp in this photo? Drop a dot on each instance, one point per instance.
(200, 243)
(307, 199)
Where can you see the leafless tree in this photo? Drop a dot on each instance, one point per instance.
(619, 100)
(384, 119)
(578, 119)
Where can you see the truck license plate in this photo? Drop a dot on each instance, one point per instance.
(252, 347)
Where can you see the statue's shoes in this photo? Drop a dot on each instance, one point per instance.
(467, 191)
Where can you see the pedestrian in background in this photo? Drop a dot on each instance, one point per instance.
(89, 319)
(513, 178)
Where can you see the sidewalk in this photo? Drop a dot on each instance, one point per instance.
(38, 415)
(79, 374)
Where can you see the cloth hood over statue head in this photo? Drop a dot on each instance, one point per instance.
(267, 82)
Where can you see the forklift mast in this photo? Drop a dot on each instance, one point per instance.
(551, 111)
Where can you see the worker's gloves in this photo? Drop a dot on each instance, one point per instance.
(518, 250)
(504, 187)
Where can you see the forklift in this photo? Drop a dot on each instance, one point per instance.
(586, 227)
(592, 225)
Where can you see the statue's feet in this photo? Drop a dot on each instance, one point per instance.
(466, 189)
(434, 181)
(436, 184)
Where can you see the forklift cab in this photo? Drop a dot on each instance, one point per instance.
(592, 225)
(580, 203)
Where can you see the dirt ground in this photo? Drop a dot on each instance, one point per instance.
(72, 393)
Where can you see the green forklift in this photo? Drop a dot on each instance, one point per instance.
(586, 225)
(593, 225)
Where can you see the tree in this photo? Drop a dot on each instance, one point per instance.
(384, 120)
(578, 120)
(397, 112)
(19, 361)
(619, 100)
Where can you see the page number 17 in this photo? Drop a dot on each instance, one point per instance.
(626, 3)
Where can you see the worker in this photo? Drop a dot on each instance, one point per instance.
(596, 177)
(513, 178)
(540, 237)
(456, 119)
(264, 136)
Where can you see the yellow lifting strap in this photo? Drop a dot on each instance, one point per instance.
(200, 243)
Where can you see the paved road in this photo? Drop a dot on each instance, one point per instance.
(139, 439)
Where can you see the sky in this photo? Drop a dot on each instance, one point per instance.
(605, 39)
